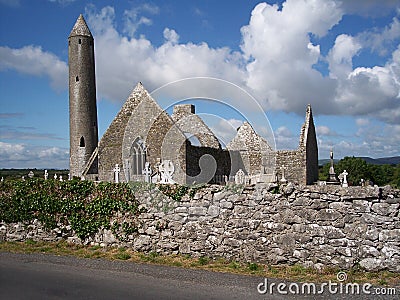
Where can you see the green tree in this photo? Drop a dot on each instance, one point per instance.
(356, 167)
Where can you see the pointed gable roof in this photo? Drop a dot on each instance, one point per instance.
(80, 28)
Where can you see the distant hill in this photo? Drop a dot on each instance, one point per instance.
(394, 160)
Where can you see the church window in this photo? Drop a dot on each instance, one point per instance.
(82, 142)
(137, 159)
(79, 41)
(77, 78)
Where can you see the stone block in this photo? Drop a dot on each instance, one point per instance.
(197, 211)
(390, 235)
(213, 211)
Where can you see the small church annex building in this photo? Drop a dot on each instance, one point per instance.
(145, 143)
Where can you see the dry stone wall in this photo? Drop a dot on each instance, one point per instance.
(315, 226)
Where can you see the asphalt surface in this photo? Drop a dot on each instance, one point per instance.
(43, 276)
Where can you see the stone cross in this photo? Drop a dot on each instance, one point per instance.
(61, 179)
(345, 184)
(167, 170)
(116, 170)
(69, 176)
(240, 177)
(147, 172)
(46, 175)
(283, 179)
(55, 176)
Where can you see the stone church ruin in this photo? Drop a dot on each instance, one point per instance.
(145, 143)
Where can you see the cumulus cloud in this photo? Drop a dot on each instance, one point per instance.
(33, 60)
(30, 156)
(281, 55)
(325, 130)
(276, 61)
(134, 18)
(121, 61)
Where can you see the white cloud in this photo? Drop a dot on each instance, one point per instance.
(225, 130)
(29, 156)
(325, 130)
(340, 57)
(134, 19)
(381, 40)
(281, 56)
(121, 62)
(33, 60)
(170, 35)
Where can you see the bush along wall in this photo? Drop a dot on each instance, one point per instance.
(63, 209)
(315, 226)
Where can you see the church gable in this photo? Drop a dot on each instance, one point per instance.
(161, 139)
(185, 117)
(110, 145)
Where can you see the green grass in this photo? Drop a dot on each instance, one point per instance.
(296, 273)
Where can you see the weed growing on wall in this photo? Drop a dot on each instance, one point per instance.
(86, 206)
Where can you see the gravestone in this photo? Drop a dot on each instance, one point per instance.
(344, 183)
(283, 179)
(55, 176)
(147, 172)
(46, 175)
(167, 170)
(116, 170)
(240, 177)
(31, 174)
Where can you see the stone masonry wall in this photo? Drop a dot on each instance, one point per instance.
(314, 226)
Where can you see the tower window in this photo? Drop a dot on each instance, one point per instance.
(79, 41)
(77, 78)
(82, 142)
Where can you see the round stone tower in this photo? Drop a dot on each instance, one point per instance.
(82, 100)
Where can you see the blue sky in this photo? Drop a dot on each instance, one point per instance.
(343, 57)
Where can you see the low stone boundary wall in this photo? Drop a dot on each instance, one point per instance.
(314, 226)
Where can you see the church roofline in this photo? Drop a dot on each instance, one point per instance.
(80, 28)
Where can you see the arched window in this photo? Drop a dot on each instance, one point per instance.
(137, 159)
(77, 78)
(79, 41)
(82, 142)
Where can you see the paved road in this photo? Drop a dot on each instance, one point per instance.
(38, 276)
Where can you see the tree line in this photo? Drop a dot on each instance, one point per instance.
(359, 169)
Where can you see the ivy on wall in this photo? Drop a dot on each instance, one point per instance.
(84, 205)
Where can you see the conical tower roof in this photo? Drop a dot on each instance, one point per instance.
(80, 28)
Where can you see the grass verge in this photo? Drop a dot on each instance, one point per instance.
(295, 273)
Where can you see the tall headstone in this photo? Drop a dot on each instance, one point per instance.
(283, 179)
(82, 97)
(332, 174)
(46, 175)
(116, 170)
(344, 183)
(147, 172)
